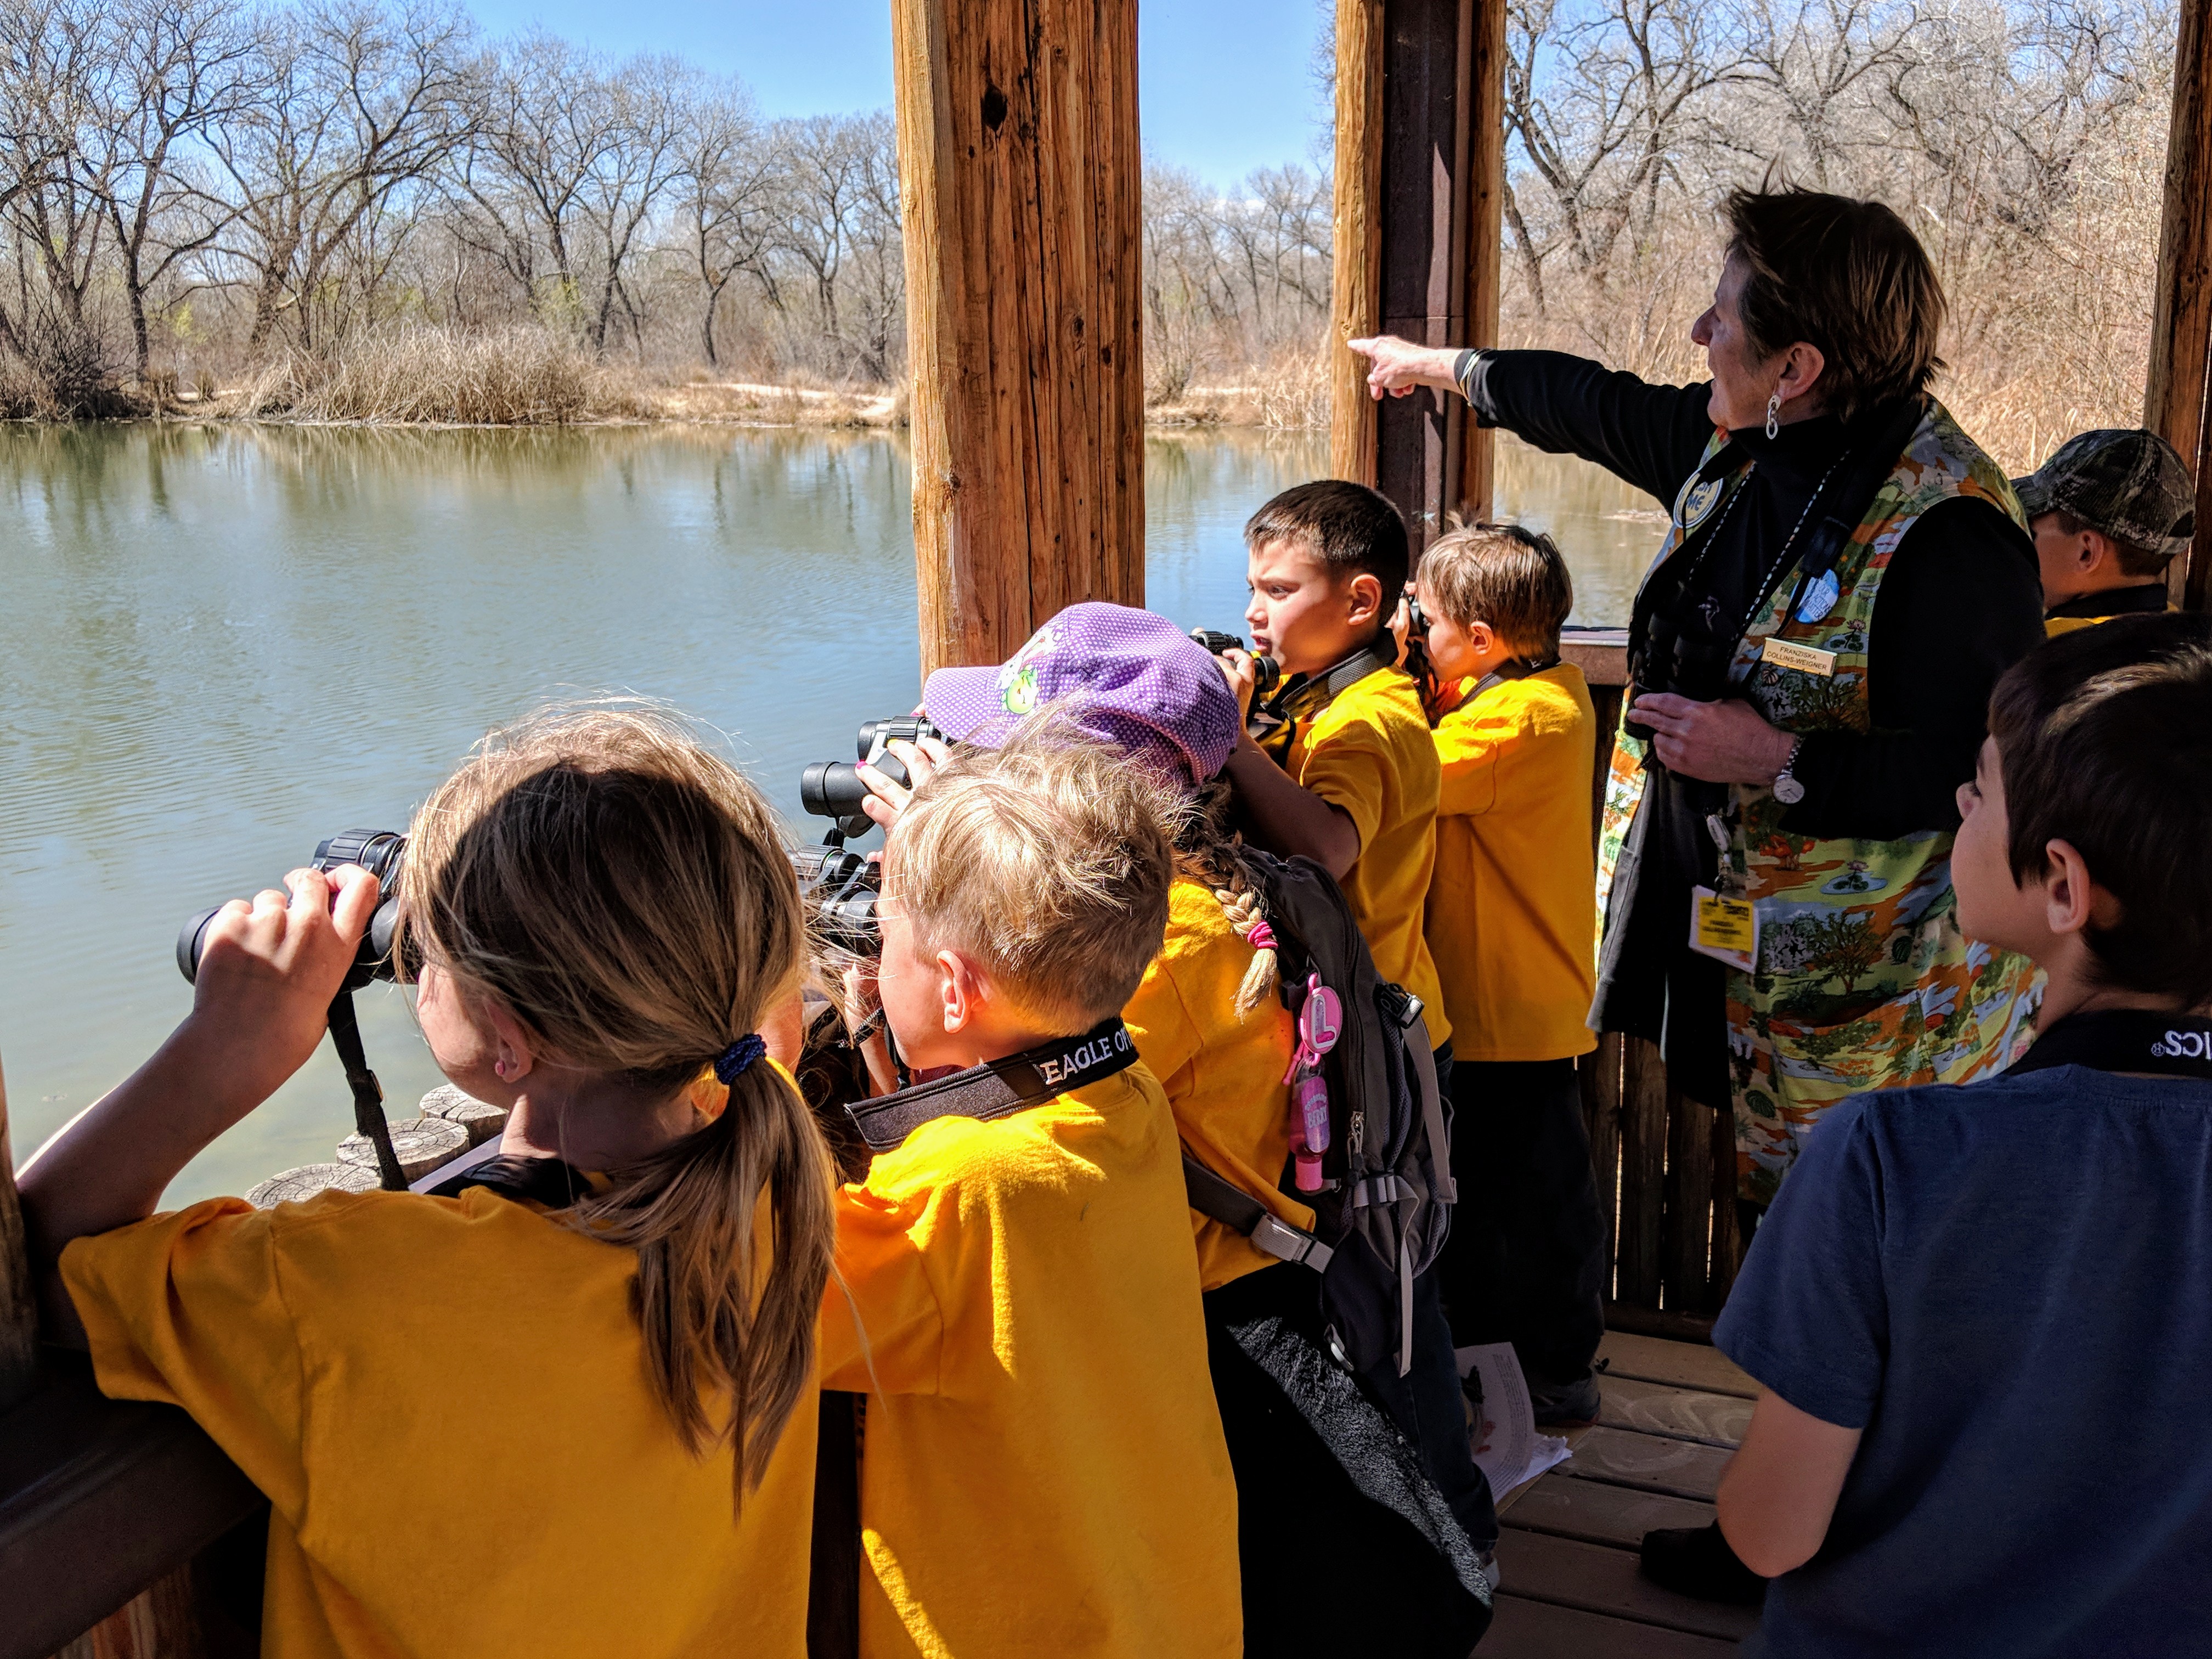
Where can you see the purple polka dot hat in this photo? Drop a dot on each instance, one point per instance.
(1124, 677)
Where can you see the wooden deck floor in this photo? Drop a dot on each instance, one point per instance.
(1672, 1410)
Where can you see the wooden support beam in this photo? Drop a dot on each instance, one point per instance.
(2181, 318)
(1485, 237)
(19, 1309)
(1020, 171)
(1356, 257)
(1420, 145)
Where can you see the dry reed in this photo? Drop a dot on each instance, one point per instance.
(513, 376)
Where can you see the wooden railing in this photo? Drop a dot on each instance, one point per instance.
(1666, 1165)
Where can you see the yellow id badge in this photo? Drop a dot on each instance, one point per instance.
(1788, 653)
(1725, 929)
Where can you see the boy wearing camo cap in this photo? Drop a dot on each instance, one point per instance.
(2109, 511)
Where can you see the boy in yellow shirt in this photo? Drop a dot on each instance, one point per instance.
(1512, 923)
(1337, 765)
(1043, 1470)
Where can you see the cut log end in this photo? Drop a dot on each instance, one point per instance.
(421, 1143)
(295, 1185)
(480, 1118)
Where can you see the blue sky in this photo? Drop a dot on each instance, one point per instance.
(1225, 84)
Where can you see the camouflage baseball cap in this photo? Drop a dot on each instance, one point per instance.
(2130, 484)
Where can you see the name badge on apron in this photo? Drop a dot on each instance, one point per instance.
(1723, 928)
(1788, 653)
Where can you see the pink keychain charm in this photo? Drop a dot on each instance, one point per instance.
(1320, 1022)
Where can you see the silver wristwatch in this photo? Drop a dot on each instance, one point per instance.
(1787, 789)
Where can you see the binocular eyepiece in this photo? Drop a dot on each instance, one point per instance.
(379, 852)
(1266, 672)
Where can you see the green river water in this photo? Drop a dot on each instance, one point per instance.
(219, 645)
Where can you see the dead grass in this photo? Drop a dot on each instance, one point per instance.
(419, 375)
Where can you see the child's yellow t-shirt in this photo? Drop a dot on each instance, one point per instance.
(445, 1400)
(1370, 752)
(1223, 1073)
(1512, 911)
(1043, 1469)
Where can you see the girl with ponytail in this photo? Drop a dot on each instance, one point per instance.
(568, 1405)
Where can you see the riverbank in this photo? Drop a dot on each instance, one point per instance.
(529, 377)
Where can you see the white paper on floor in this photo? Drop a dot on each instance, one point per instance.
(1507, 1448)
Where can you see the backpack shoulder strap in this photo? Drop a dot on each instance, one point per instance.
(1239, 1211)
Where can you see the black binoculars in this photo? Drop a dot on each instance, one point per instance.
(380, 853)
(1266, 672)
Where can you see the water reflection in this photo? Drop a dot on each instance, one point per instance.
(220, 644)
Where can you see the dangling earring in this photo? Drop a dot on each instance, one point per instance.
(1773, 409)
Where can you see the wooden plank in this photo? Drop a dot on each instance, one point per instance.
(1727, 1239)
(1599, 1074)
(1643, 1172)
(1597, 1579)
(18, 1308)
(1019, 173)
(1355, 294)
(1687, 1235)
(2181, 316)
(1683, 1364)
(1648, 1462)
(1486, 235)
(1602, 655)
(1599, 1514)
(1525, 1629)
(1713, 1419)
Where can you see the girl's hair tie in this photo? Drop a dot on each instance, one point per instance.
(729, 1065)
(1260, 936)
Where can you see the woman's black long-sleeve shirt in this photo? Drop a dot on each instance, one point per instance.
(1960, 602)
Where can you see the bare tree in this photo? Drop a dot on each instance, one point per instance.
(542, 123)
(730, 184)
(639, 166)
(181, 70)
(362, 102)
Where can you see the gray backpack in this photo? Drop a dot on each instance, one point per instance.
(1385, 1207)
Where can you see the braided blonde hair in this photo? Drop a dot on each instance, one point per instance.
(1206, 851)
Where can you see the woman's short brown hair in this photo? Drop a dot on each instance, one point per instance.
(1846, 275)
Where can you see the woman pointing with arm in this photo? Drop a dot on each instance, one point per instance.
(1844, 577)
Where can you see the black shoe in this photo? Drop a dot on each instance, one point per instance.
(1575, 1402)
(1697, 1561)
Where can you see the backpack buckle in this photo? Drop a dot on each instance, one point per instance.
(1285, 1243)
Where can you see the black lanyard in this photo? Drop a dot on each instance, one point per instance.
(2125, 1040)
(999, 1087)
(1303, 696)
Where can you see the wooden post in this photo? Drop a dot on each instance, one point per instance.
(2181, 318)
(1485, 233)
(19, 1307)
(1420, 159)
(1020, 171)
(1356, 309)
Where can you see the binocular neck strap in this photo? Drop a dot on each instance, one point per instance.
(368, 1092)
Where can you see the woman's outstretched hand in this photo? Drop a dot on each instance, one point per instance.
(1725, 742)
(1399, 367)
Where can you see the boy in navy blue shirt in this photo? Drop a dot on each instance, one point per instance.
(1981, 1315)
